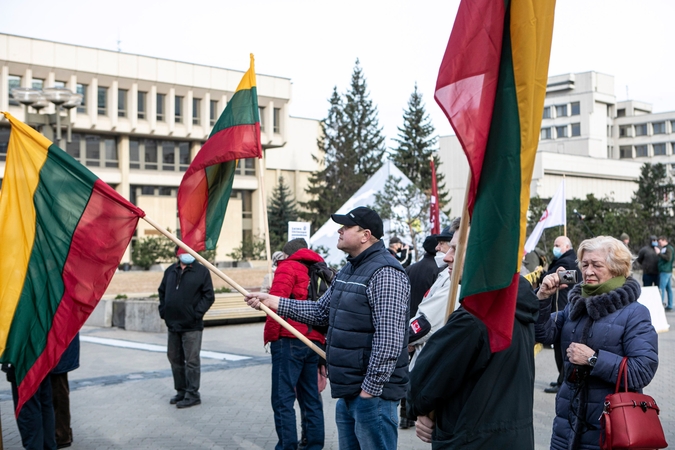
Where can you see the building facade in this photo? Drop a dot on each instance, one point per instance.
(143, 119)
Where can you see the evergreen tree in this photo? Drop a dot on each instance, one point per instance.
(282, 209)
(416, 146)
(351, 149)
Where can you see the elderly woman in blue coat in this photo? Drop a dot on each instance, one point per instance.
(602, 323)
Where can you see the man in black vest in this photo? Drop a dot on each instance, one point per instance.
(366, 310)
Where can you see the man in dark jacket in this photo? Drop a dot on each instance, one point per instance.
(294, 365)
(366, 310)
(482, 400)
(185, 294)
(666, 258)
(400, 251)
(648, 258)
(563, 256)
(422, 274)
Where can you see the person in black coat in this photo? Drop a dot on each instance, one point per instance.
(565, 257)
(648, 258)
(185, 294)
(422, 274)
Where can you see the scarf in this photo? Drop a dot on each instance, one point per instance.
(589, 290)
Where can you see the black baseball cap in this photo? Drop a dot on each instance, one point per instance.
(445, 235)
(364, 217)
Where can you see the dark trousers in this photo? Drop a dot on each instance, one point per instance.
(294, 375)
(36, 419)
(61, 398)
(557, 354)
(183, 353)
(650, 279)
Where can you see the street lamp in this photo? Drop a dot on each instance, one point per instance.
(39, 99)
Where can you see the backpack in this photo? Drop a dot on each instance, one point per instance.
(320, 278)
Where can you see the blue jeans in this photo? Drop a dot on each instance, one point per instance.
(183, 353)
(294, 375)
(366, 423)
(665, 288)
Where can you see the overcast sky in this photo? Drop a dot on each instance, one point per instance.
(315, 43)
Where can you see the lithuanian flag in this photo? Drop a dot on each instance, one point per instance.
(491, 85)
(207, 185)
(63, 233)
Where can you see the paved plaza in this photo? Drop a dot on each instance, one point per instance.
(120, 394)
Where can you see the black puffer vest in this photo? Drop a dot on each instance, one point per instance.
(350, 336)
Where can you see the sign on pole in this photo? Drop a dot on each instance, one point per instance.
(298, 230)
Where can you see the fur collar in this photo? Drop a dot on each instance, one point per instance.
(604, 304)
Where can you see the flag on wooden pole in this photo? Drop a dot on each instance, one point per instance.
(554, 214)
(491, 86)
(65, 231)
(206, 187)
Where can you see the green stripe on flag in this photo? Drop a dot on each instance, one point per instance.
(239, 111)
(220, 178)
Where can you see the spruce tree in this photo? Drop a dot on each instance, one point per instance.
(282, 209)
(416, 146)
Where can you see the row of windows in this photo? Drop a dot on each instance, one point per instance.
(642, 151)
(136, 191)
(142, 112)
(568, 109)
(93, 150)
(644, 129)
(563, 131)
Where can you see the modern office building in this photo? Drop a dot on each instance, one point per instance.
(597, 143)
(143, 119)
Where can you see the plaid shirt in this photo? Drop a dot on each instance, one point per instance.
(388, 292)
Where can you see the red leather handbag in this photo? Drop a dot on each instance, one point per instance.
(630, 420)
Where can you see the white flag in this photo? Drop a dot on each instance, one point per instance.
(555, 214)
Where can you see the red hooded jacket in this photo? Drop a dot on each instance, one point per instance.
(291, 280)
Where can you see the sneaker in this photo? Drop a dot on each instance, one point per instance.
(552, 389)
(175, 399)
(188, 402)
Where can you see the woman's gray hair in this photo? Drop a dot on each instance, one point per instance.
(618, 258)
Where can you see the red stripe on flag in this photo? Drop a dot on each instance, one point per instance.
(99, 241)
(193, 200)
(493, 309)
(467, 79)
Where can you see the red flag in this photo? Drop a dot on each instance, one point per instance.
(435, 213)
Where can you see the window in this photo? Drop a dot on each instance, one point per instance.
(37, 83)
(561, 111)
(141, 104)
(672, 126)
(178, 110)
(196, 109)
(213, 112)
(261, 113)
(13, 81)
(659, 127)
(277, 120)
(93, 150)
(576, 129)
(4, 140)
(73, 147)
(82, 89)
(246, 167)
(160, 107)
(625, 151)
(148, 190)
(547, 112)
(576, 109)
(144, 154)
(166, 191)
(609, 131)
(60, 84)
(122, 102)
(134, 154)
(183, 156)
(561, 132)
(625, 131)
(641, 129)
(111, 159)
(621, 112)
(546, 133)
(641, 151)
(168, 155)
(102, 101)
(150, 153)
(659, 149)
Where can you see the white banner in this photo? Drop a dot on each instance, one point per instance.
(555, 214)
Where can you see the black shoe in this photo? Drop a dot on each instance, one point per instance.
(175, 399)
(552, 389)
(668, 309)
(188, 402)
(64, 445)
(553, 383)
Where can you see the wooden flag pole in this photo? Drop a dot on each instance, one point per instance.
(265, 221)
(564, 206)
(236, 285)
(460, 252)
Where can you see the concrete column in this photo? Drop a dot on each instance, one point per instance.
(72, 85)
(123, 158)
(222, 105)
(152, 108)
(92, 102)
(49, 82)
(206, 108)
(133, 106)
(269, 112)
(114, 105)
(171, 110)
(27, 78)
(188, 112)
(282, 126)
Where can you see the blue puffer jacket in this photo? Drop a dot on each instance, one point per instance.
(614, 325)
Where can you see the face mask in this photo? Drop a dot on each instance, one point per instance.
(439, 260)
(655, 244)
(557, 252)
(186, 258)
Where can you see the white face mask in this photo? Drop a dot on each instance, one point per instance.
(439, 260)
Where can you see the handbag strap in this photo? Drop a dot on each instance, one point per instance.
(623, 370)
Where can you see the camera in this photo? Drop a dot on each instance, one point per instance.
(568, 277)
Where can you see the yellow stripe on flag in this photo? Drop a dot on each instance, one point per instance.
(26, 154)
(531, 31)
(248, 80)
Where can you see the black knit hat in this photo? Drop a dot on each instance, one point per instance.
(430, 244)
(294, 245)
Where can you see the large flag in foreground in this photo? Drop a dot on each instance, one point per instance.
(554, 214)
(491, 85)
(435, 215)
(64, 232)
(207, 185)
